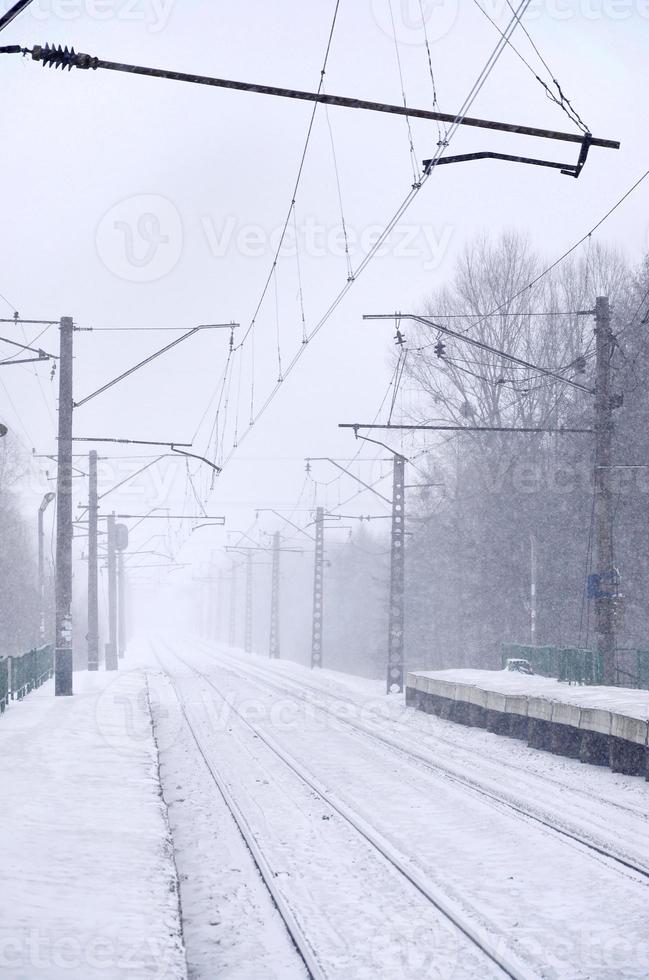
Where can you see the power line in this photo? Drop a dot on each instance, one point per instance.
(569, 251)
(457, 122)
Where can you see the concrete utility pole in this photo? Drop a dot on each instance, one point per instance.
(232, 636)
(532, 590)
(220, 597)
(111, 646)
(397, 579)
(46, 501)
(121, 606)
(273, 646)
(318, 591)
(249, 593)
(606, 589)
(63, 589)
(93, 590)
(121, 544)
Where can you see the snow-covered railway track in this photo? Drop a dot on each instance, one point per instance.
(300, 942)
(517, 771)
(592, 840)
(494, 958)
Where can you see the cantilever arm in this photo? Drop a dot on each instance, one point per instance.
(203, 459)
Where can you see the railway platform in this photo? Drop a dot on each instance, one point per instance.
(606, 726)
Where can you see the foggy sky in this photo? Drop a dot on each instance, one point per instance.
(87, 155)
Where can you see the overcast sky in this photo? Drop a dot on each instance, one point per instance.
(132, 202)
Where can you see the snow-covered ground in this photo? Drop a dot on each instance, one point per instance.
(305, 808)
(89, 885)
(546, 858)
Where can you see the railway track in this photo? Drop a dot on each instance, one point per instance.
(506, 962)
(413, 753)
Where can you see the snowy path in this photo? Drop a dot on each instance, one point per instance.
(356, 915)
(89, 886)
(542, 898)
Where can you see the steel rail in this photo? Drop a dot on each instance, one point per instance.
(510, 964)
(448, 772)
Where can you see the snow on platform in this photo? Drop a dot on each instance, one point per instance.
(603, 725)
(89, 885)
(620, 700)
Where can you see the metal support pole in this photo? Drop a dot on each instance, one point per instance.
(63, 641)
(248, 635)
(232, 637)
(220, 629)
(111, 646)
(274, 600)
(121, 605)
(41, 576)
(318, 591)
(397, 563)
(93, 591)
(532, 590)
(607, 581)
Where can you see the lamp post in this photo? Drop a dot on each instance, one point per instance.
(45, 502)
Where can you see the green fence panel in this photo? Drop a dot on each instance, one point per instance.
(570, 664)
(25, 673)
(642, 667)
(4, 685)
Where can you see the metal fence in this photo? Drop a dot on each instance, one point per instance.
(20, 675)
(576, 665)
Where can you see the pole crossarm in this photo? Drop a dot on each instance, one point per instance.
(147, 360)
(461, 428)
(203, 459)
(129, 442)
(62, 57)
(270, 510)
(42, 355)
(327, 459)
(472, 342)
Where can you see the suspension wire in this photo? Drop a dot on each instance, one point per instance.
(277, 329)
(440, 138)
(300, 295)
(401, 363)
(563, 102)
(396, 217)
(252, 374)
(193, 487)
(350, 271)
(534, 282)
(215, 393)
(298, 178)
(413, 155)
(236, 417)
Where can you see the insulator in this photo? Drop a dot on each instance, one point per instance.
(52, 56)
